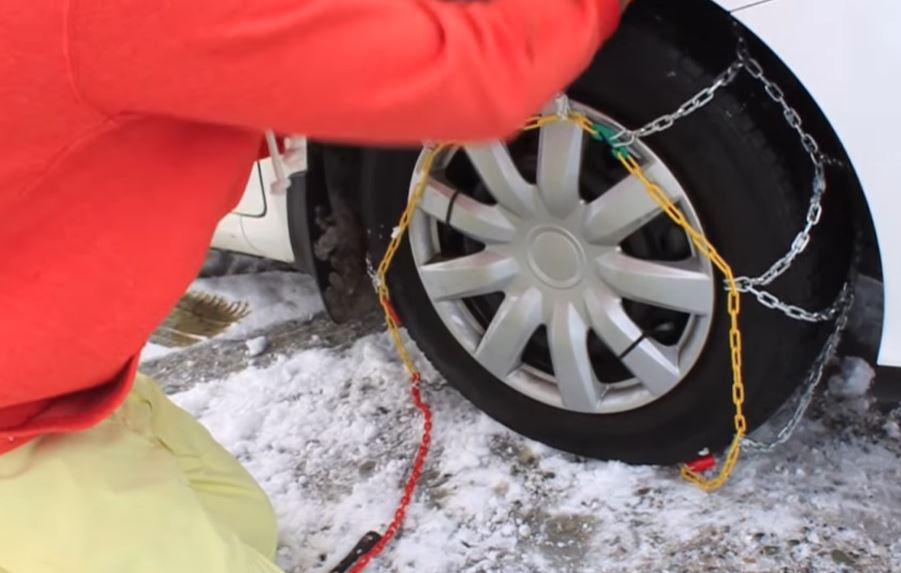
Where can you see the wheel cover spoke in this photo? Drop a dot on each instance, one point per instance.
(568, 338)
(500, 350)
(653, 365)
(559, 166)
(610, 322)
(486, 223)
(474, 275)
(503, 180)
(677, 286)
(626, 207)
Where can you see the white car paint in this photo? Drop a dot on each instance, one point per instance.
(259, 223)
(268, 235)
(847, 54)
(253, 203)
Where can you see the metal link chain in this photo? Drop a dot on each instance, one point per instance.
(752, 285)
(814, 376)
(814, 210)
(627, 137)
(792, 311)
(841, 308)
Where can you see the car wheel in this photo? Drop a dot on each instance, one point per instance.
(544, 284)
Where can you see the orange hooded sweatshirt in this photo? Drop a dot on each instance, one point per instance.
(129, 127)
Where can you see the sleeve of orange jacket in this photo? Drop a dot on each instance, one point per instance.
(377, 71)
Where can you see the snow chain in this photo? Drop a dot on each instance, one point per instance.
(619, 143)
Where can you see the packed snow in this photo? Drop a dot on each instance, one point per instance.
(329, 432)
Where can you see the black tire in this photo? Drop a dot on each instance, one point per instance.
(750, 209)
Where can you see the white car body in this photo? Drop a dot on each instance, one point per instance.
(846, 54)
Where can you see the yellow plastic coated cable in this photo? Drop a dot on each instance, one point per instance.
(384, 293)
(672, 211)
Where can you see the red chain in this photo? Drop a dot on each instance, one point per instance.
(415, 474)
(393, 321)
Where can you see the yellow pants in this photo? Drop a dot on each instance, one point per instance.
(146, 491)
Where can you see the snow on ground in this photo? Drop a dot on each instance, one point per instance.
(329, 433)
(274, 296)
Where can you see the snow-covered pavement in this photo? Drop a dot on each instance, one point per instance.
(320, 416)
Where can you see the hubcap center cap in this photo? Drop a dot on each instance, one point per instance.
(556, 257)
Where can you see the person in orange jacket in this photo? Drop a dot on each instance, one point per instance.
(129, 129)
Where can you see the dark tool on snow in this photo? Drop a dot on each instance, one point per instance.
(361, 548)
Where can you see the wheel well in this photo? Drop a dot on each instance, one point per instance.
(711, 34)
(335, 239)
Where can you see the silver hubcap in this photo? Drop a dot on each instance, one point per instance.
(554, 259)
